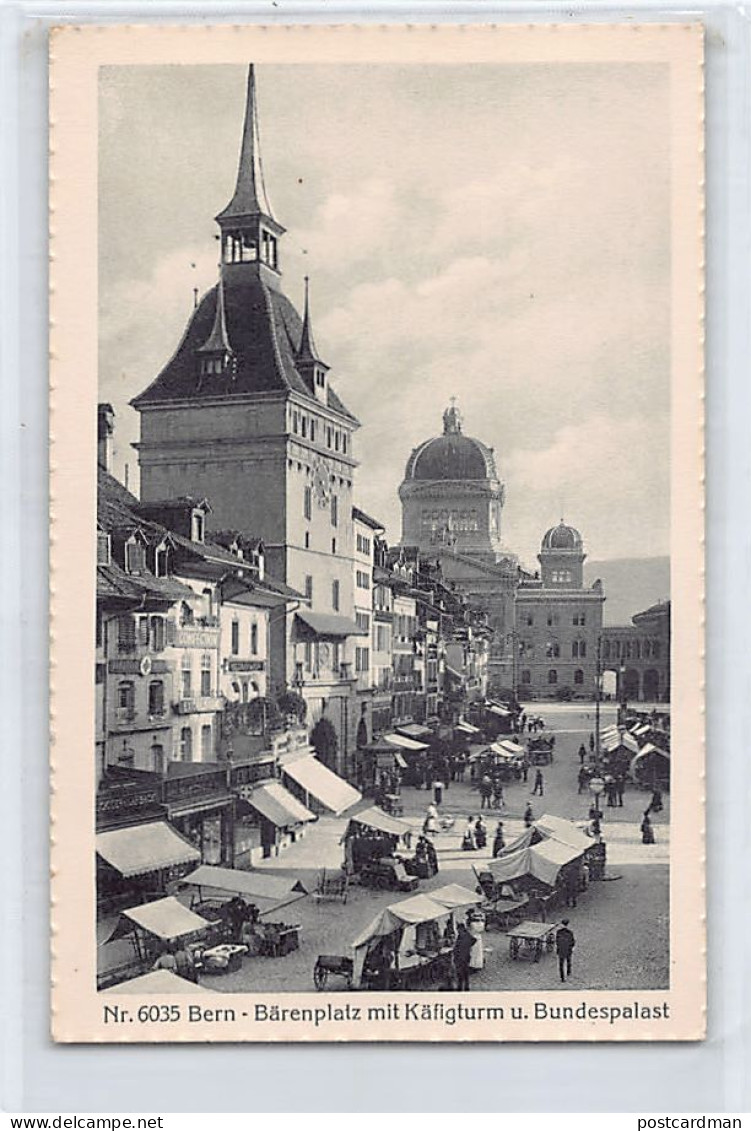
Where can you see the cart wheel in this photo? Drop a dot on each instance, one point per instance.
(320, 977)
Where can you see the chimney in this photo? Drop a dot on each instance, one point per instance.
(105, 428)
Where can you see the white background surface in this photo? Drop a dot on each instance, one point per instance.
(38, 1077)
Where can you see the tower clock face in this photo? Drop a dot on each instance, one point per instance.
(321, 487)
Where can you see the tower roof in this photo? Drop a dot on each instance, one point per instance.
(217, 341)
(307, 352)
(250, 197)
(562, 537)
(263, 332)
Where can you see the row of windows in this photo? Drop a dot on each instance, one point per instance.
(241, 247)
(311, 428)
(579, 619)
(461, 521)
(526, 676)
(363, 579)
(631, 649)
(317, 655)
(561, 576)
(363, 544)
(253, 641)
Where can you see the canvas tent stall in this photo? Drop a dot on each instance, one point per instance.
(318, 787)
(371, 841)
(162, 923)
(650, 768)
(418, 932)
(413, 753)
(266, 892)
(157, 982)
(542, 859)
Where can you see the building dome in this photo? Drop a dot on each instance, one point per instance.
(452, 456)
(562, 537)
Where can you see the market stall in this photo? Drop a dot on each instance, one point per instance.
(371, 841)
(318, 787)
(157, 982)
(411, 942)
(650, 768)
(153, 928)
(414, 754)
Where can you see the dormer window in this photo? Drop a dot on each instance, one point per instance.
(214, 366)
(320, 379)
(135, 557)
(197, 527)
(103, 548)
(161, 562)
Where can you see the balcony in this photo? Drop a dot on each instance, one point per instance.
(199, 704)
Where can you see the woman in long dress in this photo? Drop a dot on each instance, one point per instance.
(476, 924)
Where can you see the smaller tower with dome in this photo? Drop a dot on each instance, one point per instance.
(561, 558)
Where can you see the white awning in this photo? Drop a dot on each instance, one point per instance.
(512, 747)
(323, 784)
(166, 918)
(256, 885)
(499, 711)
(138, 849)
(278, 805)
(157, 982)
(375, 818)
(467, 728)
(415, 730)
(405, 743)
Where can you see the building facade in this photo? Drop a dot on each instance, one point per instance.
(452, 502)
(558, 623)
(639, 654)
(245, 414)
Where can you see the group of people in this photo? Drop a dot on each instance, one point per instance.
(178, 959)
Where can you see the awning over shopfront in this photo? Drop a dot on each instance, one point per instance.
(510, 747)
(375, 818)
(267, 892)
(165, 918)
(405, 743)
(467, 728)
(278, 805)
(329, 624)
(415, 731)
(157, 982)
(322, 784)
(139, 849)
(502, 711)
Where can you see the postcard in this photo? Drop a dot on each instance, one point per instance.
(377, 533)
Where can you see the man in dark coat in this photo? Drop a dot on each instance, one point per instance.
(582, 753)
(462, 950)
(538, 786)
(564, 946)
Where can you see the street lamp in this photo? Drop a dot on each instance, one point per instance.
(596, 786)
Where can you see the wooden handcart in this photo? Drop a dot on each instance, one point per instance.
(332, 965)
(331, 885)
(531, 940)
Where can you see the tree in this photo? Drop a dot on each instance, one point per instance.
(292, 705)
(323, 738)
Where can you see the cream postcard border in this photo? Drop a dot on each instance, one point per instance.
(77, 52)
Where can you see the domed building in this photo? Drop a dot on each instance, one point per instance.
(452, 499)
(451, 494)
(558, 622)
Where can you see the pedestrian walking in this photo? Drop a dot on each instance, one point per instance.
(498, 801)
(564, 946)
(430, 824)
(468, 840)
(538, 788)
(647, 832)
(655, 805)
(437, 791)
(525, 768)
(591, 742)
(528, 816)
(620, 786)
(462, 951)
(582, 779)
(582, 754)
(499, 842)
(486, 791)
(481, 833)
(571, 887)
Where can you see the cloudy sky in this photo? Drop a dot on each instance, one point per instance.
(495, 233)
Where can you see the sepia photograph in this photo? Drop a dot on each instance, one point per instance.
(386, 540)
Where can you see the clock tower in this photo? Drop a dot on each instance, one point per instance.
(244, 414)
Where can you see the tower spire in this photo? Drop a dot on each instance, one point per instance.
(307, 353)
(249, 198)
